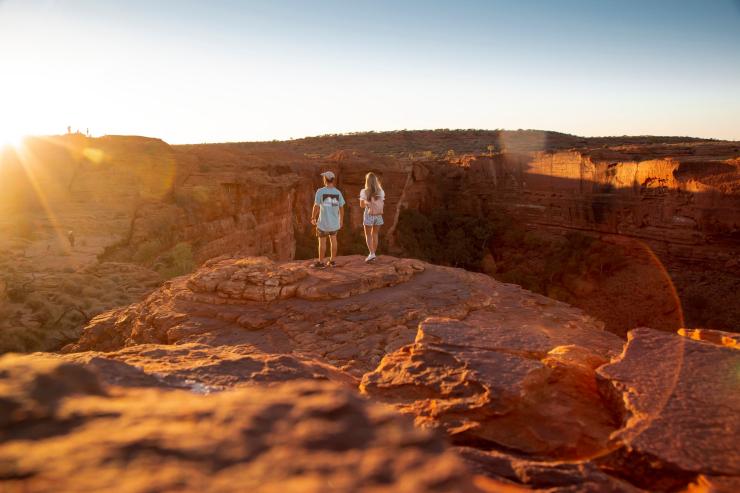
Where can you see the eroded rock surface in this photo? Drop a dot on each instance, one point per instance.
(349, 316)
(62, 430)
(202, 368)
(532, 392)
(522, 385)
(681, 400)
(550, 476)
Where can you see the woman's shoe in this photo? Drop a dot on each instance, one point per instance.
(331, 263)
(318, 265)
(370, 257)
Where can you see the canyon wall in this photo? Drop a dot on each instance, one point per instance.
(77, 215)
(671, 211)
(78, 212)
(687, 207)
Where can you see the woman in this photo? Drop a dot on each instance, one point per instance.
(372, 198)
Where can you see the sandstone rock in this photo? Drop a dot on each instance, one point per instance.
(522, 384)
(531, 390)
(344, 316)
(61, 431)
(202, 368)
(260, 279)
(681, 409)
(550, 476)
(714, 484)
(124, 196)
(722, 338)
(679, 202)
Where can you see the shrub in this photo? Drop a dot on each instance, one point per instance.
(192, 198)
(72, 286)
(351, 242)
(147, 251)
(35, 302)
(17, 288)
(416, 234)
(91, 292)
(445, 238)
(178, 261)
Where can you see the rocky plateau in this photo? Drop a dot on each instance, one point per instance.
(89, 224)
(273, 376)
(188, 345)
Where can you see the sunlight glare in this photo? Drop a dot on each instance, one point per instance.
(10, 137)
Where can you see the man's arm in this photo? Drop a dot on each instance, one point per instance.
(341, 216)
(315, 214)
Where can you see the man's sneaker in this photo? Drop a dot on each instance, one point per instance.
(318, 265)
(331, 263)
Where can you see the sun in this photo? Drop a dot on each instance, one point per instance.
(11, 140)
(11, 137)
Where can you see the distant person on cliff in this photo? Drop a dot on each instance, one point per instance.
(372, 199)
(328, 217)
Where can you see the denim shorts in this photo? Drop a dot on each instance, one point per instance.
(369, 220)
(323, 234)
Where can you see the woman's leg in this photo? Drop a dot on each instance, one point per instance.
(369, 237)
(376, 235)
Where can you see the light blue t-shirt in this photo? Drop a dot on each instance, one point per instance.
(329, 200)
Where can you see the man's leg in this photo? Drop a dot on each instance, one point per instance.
(334, 245)
(322, 247)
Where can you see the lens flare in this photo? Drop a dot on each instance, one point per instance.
(34, 174)
(14, 141)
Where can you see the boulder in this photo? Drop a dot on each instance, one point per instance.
(681, 409)
(714, 484)
(62, 430)
(729, 339)
(202, 368)
(494, 381)
(550, 476)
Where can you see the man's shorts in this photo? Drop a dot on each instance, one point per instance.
(324, 234)
(370, 220)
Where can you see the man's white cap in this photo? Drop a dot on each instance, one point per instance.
(329, 175)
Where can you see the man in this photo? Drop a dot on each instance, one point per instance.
(328, 217)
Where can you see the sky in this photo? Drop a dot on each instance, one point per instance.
(225, 70)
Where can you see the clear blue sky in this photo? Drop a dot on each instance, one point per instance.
(227, 70)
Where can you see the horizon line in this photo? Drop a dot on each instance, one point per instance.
(380, 132)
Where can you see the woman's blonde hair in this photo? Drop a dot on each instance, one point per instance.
(372, 186)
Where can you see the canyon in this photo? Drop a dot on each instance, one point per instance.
(548, 312)
(634, 230)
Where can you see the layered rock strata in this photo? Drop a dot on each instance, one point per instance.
(531, 392)
(62, 430)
